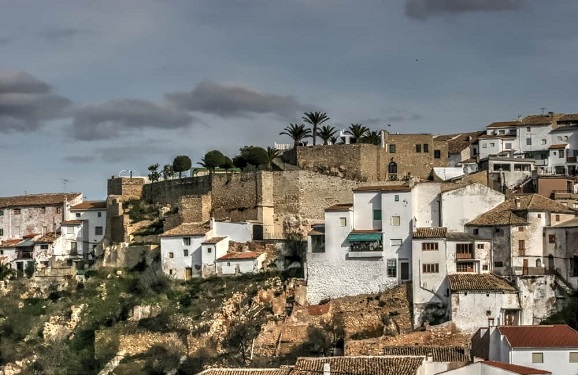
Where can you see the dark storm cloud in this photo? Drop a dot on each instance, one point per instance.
(422, 9)
(109, 119)
(133, 153)
(63, 33)
(235, 101)
(400, 115)
(26, 101)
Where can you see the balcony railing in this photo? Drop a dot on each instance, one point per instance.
(24, 255)
(464, 256)
(571, 159)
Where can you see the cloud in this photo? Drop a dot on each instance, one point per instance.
(79, 159)
(5, 40)
(134, 153)
(110, 119)
(400, 115)
(235, 101)
(25, 102)
(61, 33)
(422, 9)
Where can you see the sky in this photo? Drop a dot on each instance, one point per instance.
(92, 88)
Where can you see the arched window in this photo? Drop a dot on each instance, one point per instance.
(392, 168)
(539, 263)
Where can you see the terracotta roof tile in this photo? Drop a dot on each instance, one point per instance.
(559, 146)
(462, 141)
(72, 222)
(516, 369)
(340, 207)
(10, 243)
(496, 136)
(366, 231)
(214, 240)
(240, 255)
(568, 117)
(479, 282)
(188, 229)
(423, 232)
(48, 238)
(90, 205)
(438, 353)
(384, 188)
(546, 336)
(537, 120)
(36, 199)
(318, 309)
(503, 124)
(247, 371)
(359, 365)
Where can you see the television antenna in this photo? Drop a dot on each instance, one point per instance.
(65, 182)
(543, 109)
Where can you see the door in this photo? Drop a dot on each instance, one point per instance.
(404, 271)
(551, 262)
(188, 273)
(525, 267)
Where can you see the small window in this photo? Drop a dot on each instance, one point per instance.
(396, 198)
(209, 250)
(187, 241)
(543, 141)
(57, 210)
(17, 211)
(561, 154)
(492, 144)
(557, 217)
(78, 214)
(484, 267)
(1, 232)
(1, 212)
(376, 214)
(480, 246)
(395, 221)
(528, 141)
(537, 357)
(99, 214)
(508, 145)
(395, 242)
(98, 231)
(465, 267)
(425, 147)
(228, 264)
(573, 357)
(171, 255)
(484, 145)
(497, 230)
(43, 210)
(430, 268)
(476, 231)
(342, 221)
(528, 129)
(551, 238)
(185, 252)
(44, 247)
(437, 154)
(539, 216)
(1, 252)
(69, 230)
(498, 264)
(417, 148)
(391, 268)
(392, 149)
(429, 246)
(520, 229)
(522, 247)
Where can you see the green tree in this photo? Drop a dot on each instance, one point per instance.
(326, 132)
(315, 119)
(358, 131)
(372, 137)
(272, 153)
(297, 132)
(154, 174)
(334, 140)
(212, 160)
(168, 172)
(227, 163)
(6, 272)
(181, 163)
(254, 155)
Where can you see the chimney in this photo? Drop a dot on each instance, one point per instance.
(551, 114)
(517, 203)
(326, 369)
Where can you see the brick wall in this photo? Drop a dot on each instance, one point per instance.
(194, 209)
(128, 188)
(170, 191)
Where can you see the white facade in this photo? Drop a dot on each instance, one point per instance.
(240, 266)
(181, 256)
(93, 215)
(483, 368)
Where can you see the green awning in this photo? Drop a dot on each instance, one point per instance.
(364, 237)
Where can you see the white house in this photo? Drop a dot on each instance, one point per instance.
(495, 368)
(93, 215)
(240, 263)
(73, 233)
(551, 348)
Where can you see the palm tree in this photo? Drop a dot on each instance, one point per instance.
(358, 131)
(297, 132)
(335, 140)
(315, 119)
(372, 137)
(326, 132)
(272, 153)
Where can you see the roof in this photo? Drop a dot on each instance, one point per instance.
(479, 282)
(537, 120)
(10, 243)
(506, 213)
(546, 336)
(36, 199)
(558, 146)
(340, 207)
(71, 222)
(384, 188)
(213, 240)
(516, 369)
(359, 365)
(497, 136)
(245, 255)
(568, 117)
(438, 353)
(247, 371)
(90, 205)
(572, 223)
(421, 232)
(504, 124)
(565, 128)
(48, 238)
(25, 243)
(462, 141)
(188, 229)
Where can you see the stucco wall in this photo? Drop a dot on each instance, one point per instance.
(470, 311)
(537, 296)
(555, 360)
(464, 204)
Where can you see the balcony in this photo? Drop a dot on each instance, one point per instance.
(460, 256)
(571, 159)
(24, 254)
(365, 245)
(541, 162)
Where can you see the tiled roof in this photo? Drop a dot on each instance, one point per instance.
(438, 353)
(340, 207)
(360, 231)
(505, 213)
(240, 255)
(10, 243)
(496, 136)
(479, 282)
(564, 128)
(36, 199)
(572, 223)
(214, 240)
(247, 371)
(71, 222)
(546, 336)
(48, 238)
(188, 229)
(462, 141)
(559, 146)
(445, 137)
(504, 124)
(423, 232)
(462, 236)
(384, 188)
(537, 120)
(568, 117)
(90, 205)
(516, 369)
(359, 365)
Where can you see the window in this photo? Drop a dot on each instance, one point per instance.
(480, 246)
(1, 212)
(429, 246)
(1, 252)
(561, 154)
(228, 264)
(522, 247)
(520, 229)
(395, 221)
(98, 231)
(492, 144)
(392, 149)
(537, 357)
(573, 357)
(187, 241)
(73, 247)
(551, 238)
(44, 229)
(342, 221)
(557, 217)
(57, 210)
(501, 132)
(437, 154)
(430, 268)
(484, 145)
(465, 267)
(543, 141)
(476, 231)
(508, 145)
(42, 210)
(498, 264)
(392, 168)
(528, 129)
(528, 141)
(391, 268)
(485, 267)
(376, 214)
(185, 252)
(209, 250)
(497, 230)
(44, 247)
(538, 263)
(1, 232)
(396, 198)
(69, 230)
(425, 147)
(417, 148)
(539, 216)
(395, 242)
(171, 255)
(17, 211)
(78, 214)
(99, 214)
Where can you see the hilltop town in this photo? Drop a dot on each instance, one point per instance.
(372, 253)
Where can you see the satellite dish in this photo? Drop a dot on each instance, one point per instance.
(128, 173)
